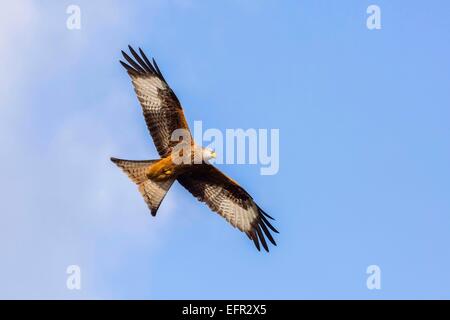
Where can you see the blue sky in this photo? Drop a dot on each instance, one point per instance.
(364, 149)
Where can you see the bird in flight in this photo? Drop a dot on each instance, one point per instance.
(164, 115)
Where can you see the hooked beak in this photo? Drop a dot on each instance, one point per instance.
(213, 154)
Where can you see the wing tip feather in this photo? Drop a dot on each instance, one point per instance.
(140, 65)
(261, 238)
(260, 231)
(255, 239)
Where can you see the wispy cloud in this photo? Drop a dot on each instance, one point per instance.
(60, 194)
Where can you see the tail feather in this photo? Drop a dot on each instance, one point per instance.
(152, 191)
(135, 169)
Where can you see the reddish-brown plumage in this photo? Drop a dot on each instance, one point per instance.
(163, 115)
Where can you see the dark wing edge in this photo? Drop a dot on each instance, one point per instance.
(141, 65)
(260, 228)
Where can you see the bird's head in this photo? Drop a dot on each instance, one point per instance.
(208, 154)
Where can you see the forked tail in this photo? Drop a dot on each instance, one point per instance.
(152, 191)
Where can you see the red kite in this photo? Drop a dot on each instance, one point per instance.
(163, 115)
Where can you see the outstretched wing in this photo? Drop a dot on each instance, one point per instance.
(162, 109)
(224, 196)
